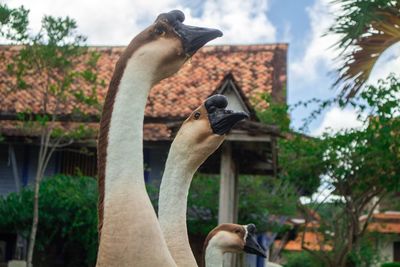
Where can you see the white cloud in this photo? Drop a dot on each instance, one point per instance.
(387, 63)
(116, 22)
(104, 22)
(242, 22)
(337, 119)
(318, 47)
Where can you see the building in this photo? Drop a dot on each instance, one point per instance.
(242, 73)
(384, 229)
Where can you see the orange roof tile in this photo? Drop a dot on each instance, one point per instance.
(387, 222)
(386, 228)
(257, 69)
(312, 241)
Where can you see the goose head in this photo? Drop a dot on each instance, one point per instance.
(234, 238)
(206, 128)
(165, 45)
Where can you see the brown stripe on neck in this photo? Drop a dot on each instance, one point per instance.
(105, 121)
(229, 227)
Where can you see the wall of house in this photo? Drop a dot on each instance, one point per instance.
(386, 251)
(233, 101)
(26, 161)
(7, 182)
(27, 157)
(386, 248)
(155, 158)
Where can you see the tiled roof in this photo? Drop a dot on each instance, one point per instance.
(385, 228)
(257, 69)
(387, 222)
(312, 241)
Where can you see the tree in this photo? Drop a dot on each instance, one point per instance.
(366, 30)
(360, 167)
(68, 207)
(46, 63)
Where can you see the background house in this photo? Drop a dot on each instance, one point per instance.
(242, 73)
(383, 228)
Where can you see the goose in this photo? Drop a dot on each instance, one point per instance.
(229, 237)
(129, 233)
(199, 136)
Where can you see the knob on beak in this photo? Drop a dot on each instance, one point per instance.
(192, 37)
(221, 119)
(252, 246)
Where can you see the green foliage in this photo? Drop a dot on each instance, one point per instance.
(68, 210)
(300, 259)
(301, 157)
(367, 253)
(46, 62)
(368, 156)
(359, 164)
(263, 196)
(259, 196)
(391, 264)
(203, 204)
(13, 23)
(275, 114)
(50, 56)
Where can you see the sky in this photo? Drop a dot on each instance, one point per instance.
(300, 23)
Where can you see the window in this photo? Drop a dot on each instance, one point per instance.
(75, 163)
(396, 251)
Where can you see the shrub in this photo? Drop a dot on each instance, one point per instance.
(391, 264)
(300, 259)
(68, 220)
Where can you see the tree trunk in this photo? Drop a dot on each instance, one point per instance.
(35, 221)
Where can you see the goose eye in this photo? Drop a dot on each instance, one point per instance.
(237, 231)
(197, 115)
(159, 31)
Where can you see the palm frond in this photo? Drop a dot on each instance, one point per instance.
(361, 51)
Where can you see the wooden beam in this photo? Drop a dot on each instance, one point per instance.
(227, 212)
(17, 180)
(244, 137)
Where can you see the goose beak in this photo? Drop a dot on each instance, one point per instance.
(252, 246)
(221, 119)
(193, 38)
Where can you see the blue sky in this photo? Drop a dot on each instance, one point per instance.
(301, 23)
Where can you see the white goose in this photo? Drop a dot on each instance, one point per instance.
(129, 232)
(200, 135)
(229, 237)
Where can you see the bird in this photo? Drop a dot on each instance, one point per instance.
(129, 232)
(230, 237)
(199, 136)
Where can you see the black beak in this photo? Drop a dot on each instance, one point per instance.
(221, 119)
(192, 37)
(252, 246)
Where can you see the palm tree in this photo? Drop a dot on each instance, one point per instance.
(366, 28)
